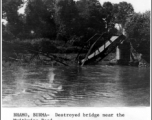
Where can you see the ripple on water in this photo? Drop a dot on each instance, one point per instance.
(76, 86)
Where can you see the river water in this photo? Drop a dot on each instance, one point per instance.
(89, 86)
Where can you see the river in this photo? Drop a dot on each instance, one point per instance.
(88, 86)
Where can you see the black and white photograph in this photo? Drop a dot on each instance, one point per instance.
(75, 53)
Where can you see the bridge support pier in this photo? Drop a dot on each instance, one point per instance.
(118, 53)
(123, 53)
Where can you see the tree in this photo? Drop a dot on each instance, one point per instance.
(90, 18)
(40, 18)
(108, 13)
(66, 18)
(122, 13)
(138, 32)
(10, 14)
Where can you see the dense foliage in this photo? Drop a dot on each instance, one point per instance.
(138, 32)
(74, 21)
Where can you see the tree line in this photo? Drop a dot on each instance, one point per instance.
(77, 21)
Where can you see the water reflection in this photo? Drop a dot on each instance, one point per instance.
(77, 86)
(51, 75)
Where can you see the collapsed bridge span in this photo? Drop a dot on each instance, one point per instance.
(100, 49)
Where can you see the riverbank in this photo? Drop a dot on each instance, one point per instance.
(42, 60)
(41, 52)
(54, 53)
